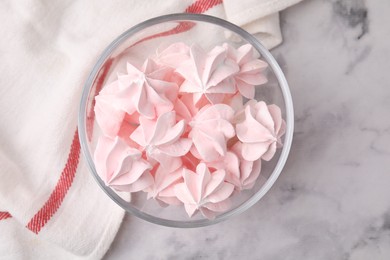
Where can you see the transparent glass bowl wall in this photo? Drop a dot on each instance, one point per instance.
(140, 42)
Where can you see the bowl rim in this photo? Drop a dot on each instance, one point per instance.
(266, 55)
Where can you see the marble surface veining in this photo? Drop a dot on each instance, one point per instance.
(332, 200)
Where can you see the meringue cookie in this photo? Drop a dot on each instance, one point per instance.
(211, 128)
(120, 166)
(208, 74)
(114, 121)
(146, 91)
(163, 186)
(203, 191)
(251, 72)
(231, 164)
(239, 172)
(261, 131)
(162, 139)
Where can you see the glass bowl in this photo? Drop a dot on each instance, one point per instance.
(141, 41)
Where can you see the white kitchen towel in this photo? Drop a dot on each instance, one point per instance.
(259, 17)
(50, 206)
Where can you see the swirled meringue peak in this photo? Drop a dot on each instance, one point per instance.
(251, 69)
(208, 74)
(163, 187)
(121, 166)
(210, 130)
(178, 130)
(239, 172)
(162, 139)
(204, 191)
(261, 131)
(146, 91)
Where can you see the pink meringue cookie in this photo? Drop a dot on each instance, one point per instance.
(162, 139)
(162, 189)
(111, 118)
(239, 172)
(108, 115)
(231, 164)
(208, 74)
(211, 128)
(261, 131)
(120, 166)
(204, 191)
(146, 91)
(251, 71)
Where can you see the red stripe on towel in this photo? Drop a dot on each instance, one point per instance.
(4, 215)
(201, 6)
(58, 194)
(198, 7)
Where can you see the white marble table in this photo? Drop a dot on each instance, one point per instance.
(332, 200)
